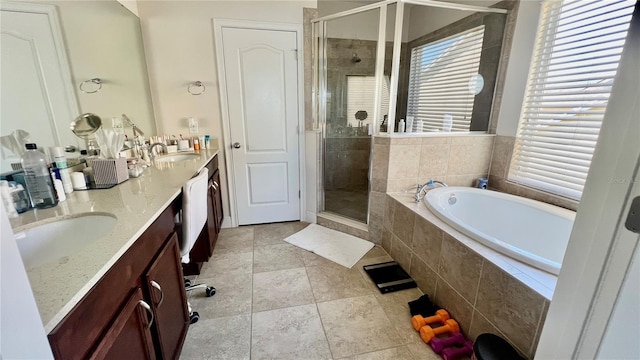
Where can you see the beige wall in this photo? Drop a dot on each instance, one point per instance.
(179, 44)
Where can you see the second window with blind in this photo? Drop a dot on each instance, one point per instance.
(575, 60)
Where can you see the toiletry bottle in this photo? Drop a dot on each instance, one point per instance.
(401, 126)
(58, 157)
(196, 144)
(38, 179)
(6, 199)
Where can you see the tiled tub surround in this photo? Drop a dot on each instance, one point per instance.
(499, 170)
(401, 162)
(483, 290)
(59, 285)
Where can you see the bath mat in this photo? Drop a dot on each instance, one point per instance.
(389, 277)
(338, 247)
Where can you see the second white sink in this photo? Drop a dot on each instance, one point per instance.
(45, 243)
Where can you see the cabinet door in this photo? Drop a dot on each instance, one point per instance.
(165, 285)
(129, 337)
(217, 201)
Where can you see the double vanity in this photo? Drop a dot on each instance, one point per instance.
(114, 286)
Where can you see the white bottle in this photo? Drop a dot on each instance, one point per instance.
(401, 126)
(57, 184)
(409, 127)
(6, 199)
(38, 179)
(447, 124)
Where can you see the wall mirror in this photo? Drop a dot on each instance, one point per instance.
(90, 60)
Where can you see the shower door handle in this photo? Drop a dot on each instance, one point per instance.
(236, 145)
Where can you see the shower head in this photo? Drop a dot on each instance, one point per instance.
(355, 58)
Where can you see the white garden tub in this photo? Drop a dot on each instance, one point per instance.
(530, 231)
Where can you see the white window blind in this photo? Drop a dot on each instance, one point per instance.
(439, 81)
(361, 96)
(578, 47)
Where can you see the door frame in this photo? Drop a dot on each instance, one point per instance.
(218, 25)
(61, 55)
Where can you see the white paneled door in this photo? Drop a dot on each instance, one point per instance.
(261, 73)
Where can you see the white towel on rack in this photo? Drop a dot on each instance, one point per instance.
(194, 211)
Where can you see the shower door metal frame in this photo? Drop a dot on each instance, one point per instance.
(320, 73)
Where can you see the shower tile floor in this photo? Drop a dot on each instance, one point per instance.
(352, 204)
(277, 301)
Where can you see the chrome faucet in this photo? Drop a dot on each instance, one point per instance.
(163, 146)
(429, 185)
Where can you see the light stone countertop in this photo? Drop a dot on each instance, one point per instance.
(538, 280)
(136, 203)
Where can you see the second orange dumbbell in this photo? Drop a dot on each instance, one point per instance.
(418, 321)
(427, 332)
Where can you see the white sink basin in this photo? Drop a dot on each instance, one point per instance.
(176, 157)
(50, 241)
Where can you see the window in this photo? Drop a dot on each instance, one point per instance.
(361, 96)
(440, 78)
(578, 47)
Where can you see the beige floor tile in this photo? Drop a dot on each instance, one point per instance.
(240, 233)
(272, 234)
(280, 289)
(396, 307)
(330, 283)
(275, 257)
(376, 251)
(356, 325)
(396, 353)
(290, 333)
(221, 338)
(233, 297)
(422, 351)
(227, 263)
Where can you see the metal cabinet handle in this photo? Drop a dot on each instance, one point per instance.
(216, 185)
(236, 145)
(157, 286)
(212, 185)
(148, 308)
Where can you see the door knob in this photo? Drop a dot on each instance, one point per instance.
(236, 145)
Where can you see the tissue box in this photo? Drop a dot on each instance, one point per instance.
(110, 171)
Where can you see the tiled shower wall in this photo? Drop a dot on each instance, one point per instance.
(400, 164)
(347, 163)
(480, 296)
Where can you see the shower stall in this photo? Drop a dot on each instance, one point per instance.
(388, 67)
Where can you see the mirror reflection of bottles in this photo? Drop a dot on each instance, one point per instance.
(447, 122)
(38, 179)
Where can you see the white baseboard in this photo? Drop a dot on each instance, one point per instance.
(310, 217)
(226, 222)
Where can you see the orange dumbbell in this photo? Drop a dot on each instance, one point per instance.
(418, 321)
(427, 332)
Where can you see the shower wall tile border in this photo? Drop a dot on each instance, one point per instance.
(480, 295)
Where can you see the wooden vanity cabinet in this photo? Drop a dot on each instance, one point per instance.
(130, 336)
(206, 242)
(110, 322)
(165, 285)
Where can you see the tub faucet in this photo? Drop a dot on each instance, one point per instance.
(429, 185)
(163, 146)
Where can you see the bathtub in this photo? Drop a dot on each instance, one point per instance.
(529, 231)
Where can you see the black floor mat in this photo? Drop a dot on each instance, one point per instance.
(389, 277)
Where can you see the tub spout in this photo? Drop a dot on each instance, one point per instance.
(429, 185)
